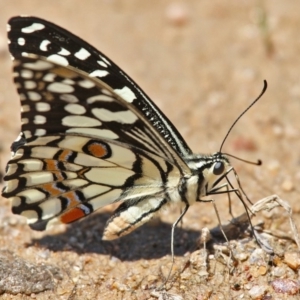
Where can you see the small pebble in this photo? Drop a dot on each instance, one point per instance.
(258, 291)
(258, 257)
(285, 286)
(278, 271)
(262, 270)
(292, 259)
(243, 256)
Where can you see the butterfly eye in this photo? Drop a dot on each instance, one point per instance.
(218, 168)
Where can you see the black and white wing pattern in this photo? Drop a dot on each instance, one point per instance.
(90, 137)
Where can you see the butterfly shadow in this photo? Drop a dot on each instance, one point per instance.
(151, 240)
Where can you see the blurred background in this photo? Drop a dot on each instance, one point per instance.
(202, 62)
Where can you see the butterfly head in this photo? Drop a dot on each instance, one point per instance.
(210, 170)
(213, 171)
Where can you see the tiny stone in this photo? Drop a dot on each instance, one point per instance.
(278, 271)
(287, 185)
(145, 264)
(257, 291)
(257, 257)
(78, 267)
(45, 253)
(292, 259)
(285, 286)
(243, 256)
(254, 272)
(262, 270)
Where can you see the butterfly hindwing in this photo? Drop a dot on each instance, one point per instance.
(60, 179)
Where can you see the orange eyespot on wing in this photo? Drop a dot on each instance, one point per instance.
(72, 215)
(97, 149)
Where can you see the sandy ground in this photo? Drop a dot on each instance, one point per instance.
(202, 62)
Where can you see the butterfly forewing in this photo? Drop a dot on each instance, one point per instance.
(45, 40)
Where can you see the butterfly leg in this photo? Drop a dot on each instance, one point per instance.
(172, 243)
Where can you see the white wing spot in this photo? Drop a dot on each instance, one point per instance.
(38, 119)
(32, 195)
(64, 51)
(21, 41)
(27, 134)
(96, 98)
(28, 84)
(69, 98)
(75, 109)
(26, 74)
(58, 87)
(38, 65)
(42, 106)
(22, 97)
(50, 208)
(82, 54)
(34, 96)
(80, 121)
(102, 63)
(24, 120)
(25, 108)
(126, 94)
(104, 59)
(58, 60)
(87, 84)
(49, 77)
(32, 28)
(124, 117)
(40, 132)
(68, 81)
(99, 73)
(44, 44)
(30, 215)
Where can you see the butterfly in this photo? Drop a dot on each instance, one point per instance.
(91, 137)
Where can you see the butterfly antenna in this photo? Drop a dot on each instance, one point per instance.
(256, 163)
(261, 93)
